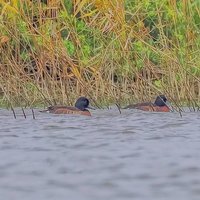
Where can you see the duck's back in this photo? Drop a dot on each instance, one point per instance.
(67, 110)
(148, 106)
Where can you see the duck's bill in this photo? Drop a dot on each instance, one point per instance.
(167, 103)
(92, 108)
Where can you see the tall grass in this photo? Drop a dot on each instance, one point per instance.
(111, 51)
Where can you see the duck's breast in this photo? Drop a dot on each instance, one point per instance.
(161, 109)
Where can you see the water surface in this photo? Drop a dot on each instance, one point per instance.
(135, 155)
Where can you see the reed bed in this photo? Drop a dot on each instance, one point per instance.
(110, 51)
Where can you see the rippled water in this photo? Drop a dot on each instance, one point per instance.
(135, 155)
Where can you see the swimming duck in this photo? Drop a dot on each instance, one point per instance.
(80, 108)
(158, 106)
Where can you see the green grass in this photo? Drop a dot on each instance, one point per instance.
(110, 51)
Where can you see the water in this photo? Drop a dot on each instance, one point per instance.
(135, 155)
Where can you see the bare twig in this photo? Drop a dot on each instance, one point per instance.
(33, 113)
(23, 112)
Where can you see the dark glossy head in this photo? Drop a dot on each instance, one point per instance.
(160, 100)
(82, 103)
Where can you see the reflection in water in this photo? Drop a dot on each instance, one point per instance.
(107, 156)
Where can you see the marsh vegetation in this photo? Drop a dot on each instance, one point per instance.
(111, 51)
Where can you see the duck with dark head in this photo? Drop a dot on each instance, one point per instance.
(158, 106)
(80, 108)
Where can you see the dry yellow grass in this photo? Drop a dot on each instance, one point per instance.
(111, 51)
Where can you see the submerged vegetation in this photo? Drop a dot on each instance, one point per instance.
(112, 51)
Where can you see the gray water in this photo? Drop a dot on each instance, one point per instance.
(135, 155)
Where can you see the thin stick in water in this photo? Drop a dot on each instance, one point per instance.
(24, 113)
(13, 112)
(33, 113)
(118, 108)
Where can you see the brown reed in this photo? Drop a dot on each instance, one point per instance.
(111, 51)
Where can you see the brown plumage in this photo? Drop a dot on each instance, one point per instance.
(80, 108)
(158, 106)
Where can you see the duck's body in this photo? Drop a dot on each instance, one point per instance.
(158, 106)
(80, 108)
(67, 110)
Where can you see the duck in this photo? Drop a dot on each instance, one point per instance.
(158, 106)
(80, 108)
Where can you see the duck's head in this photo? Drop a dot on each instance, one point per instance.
(82, 103)
(160, 100)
